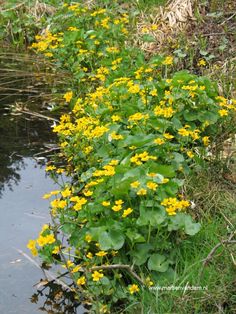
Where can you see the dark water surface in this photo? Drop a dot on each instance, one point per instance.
(22, 184)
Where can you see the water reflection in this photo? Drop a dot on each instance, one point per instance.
(22, 180)
(57, 300)
(21, 85)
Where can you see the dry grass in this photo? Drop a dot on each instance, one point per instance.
(38, 9)
(170, 20)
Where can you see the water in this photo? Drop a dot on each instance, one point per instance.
(23, 182)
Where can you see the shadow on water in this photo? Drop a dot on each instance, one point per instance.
(21, 87)
(25, 89)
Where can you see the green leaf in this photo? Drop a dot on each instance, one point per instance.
(157, 216)
(141, 253)
(185, 222)
(190, 227)
(114, 239)
(165, 170)
(158, 262)
(190, 115)
(134, 236)
(138, 140)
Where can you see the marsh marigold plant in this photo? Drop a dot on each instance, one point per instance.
(131, 132)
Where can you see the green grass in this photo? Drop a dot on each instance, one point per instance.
(215, 204)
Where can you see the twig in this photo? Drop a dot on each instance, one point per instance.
(210, 255)
(217, 34)
(119, 266)
(35, 114)
(206, 260)
(46, 151)
(228, 19)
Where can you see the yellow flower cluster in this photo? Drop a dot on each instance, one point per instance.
(138, 116)
(172, 204)
(166, 112)
(79, 202)
(138, 159)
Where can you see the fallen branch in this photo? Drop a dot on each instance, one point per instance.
(47, 151)
(35, 114)
(206, 260)
(119, 266)
(212, 252)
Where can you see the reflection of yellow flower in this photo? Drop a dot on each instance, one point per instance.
(133, 288)
(97, 275)
(32, 247)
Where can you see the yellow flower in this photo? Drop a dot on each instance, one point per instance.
(159, 141)
(134, 89)
(88, 193)
(115, 136)
(201, 62)
(68, 96)
(206, 140)
(190, 154)
(115, 118)
(101, 253)
(142, 192)
(105, 203)
(56, 250)
(67, 192)
(76, 269)
(153, 92)
(50, 168)
(79, 203)
(183, 132)
(168, 136)
(223, 112)
(168, 60)
(97, 275)
(127, 212)
(88, 238)
(133, 288)
(152, 185)
(135, 184)
(89, 255)
(81, 281)
(119, 202)
(148, 282)
(165, 180)
(116, 208)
